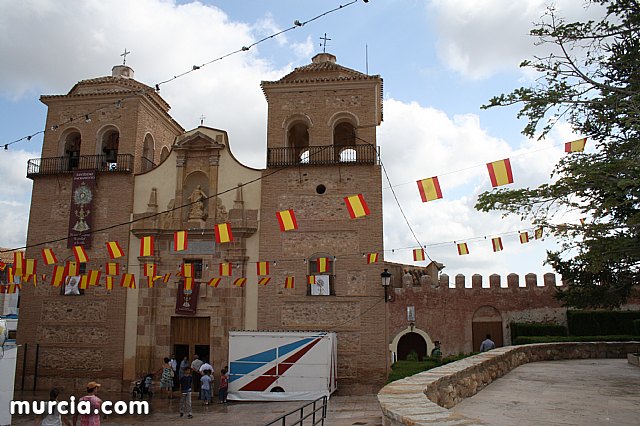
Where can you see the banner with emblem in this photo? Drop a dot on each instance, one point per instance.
(83, 191)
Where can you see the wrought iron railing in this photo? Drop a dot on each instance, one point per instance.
(101, 163)
(322, 155)
(312, 413)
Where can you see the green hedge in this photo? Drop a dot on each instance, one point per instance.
(525, 340)
(601, 323)
(402, 369)
(536, 329)
(636, 327)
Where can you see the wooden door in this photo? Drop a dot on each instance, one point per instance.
(481, 329)
(191, 332)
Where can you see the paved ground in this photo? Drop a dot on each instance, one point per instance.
(580, 392)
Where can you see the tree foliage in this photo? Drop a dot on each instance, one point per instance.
(590, 79)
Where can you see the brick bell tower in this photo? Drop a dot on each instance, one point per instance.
(98, 136)
(321, 148)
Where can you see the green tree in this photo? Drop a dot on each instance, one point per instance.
(590, 79)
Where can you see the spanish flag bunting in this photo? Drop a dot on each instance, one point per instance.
(114, 249)
(429, 189)
(264, 280)
(180, 242)
(524, 237)
(240, 282)
(311, 279)
(500, 172)
(418, 255)
(150, 282)
(2, 265)
(27, 278)
(225, 269)
(72, 269)
(84, 282)
(538, 233)
(214, 282)
(18, 263)
(48, 257)
(12, 288)
(146, 246)
(187, 270)
(58, 275)
(583, 221)
(94, 277)
(289, 282)
(10, 275)
(575, 146)
(463, 249)
(128, 280)
(112, 268)
(322, 264)
(108, 282)
(149, 269)
(497, 244)
(262, 268)
(81, 254)
(357, 206)
(166, 277)
(287, 220)
(372, 258)
(30, 267)
(223, 233)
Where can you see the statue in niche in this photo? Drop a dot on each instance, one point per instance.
(221, 211)
(197, 198)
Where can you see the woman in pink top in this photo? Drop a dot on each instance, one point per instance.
(93, 418)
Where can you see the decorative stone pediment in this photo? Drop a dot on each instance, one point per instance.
(199, 141)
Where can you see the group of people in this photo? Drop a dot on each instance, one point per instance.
(189, 377)
(54, 416)
(486, 345)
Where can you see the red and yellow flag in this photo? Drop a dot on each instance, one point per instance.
(240, 282)
(188, 283)
(372, 258)
(149, 270)
(311, 279)
(30, 266)
(113, 268)
(146, 246)
(357, 206)
(10, 275)
(72, 269)
(223, 233)
(81, 254)
(2, 265)
(500, 172)
(58, 276)
(128, 280)
(214, 282)
(18, 263)
(108, 282)
(538, 233)
(84, 282)
(166, 277)
(262, 268)
(524, 237)
(48, 257)
(94, 277)
(575, 146)
(323, 264)
(463, 249)
(289, 282)
(287, 220)
(429, 189)
(496, 243)
(114, 249)
(264, 280)
(418, 255)
(225, 269)
(180, 242)
(187, 270)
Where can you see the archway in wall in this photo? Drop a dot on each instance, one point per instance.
(194, 188)
(148, 154)
(71, 149)
(412, 342)
(298, 139)
(395, 343)
(164, 153)
(109, 143)
(486, 320)
(344, 135)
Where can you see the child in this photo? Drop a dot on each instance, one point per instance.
(224, 386)
(205, 387)
(186, 383)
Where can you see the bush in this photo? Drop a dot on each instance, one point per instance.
(402, 369)
(412, 356)
(636, 327)
(525, 340)
(536, 329)
(601, 323)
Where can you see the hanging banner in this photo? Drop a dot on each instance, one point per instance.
(187, 300)
(83, 190)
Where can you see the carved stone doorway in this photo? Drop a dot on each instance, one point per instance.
(486, 320)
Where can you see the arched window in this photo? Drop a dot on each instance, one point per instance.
(109, 143)
(164, 153)
(298, 139)
(320, 271)
(148, 153)
(72, 150)
(344, 141)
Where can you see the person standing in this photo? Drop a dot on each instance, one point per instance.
(186, 383)
(224, 386)
(205, 387)
(166, 378)
(487, 344)
(183, 364)
(195, 369)
(93, 418)
(53, 417)
(174, 366)
(437, 351)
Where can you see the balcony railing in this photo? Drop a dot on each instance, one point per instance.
(322, 155)
(101, 163)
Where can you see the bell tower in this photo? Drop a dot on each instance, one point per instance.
(321, 148)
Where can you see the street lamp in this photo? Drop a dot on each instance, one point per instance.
(386, 280)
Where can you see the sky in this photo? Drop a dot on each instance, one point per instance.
(440, 61)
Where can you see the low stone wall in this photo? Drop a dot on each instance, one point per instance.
(424, 399)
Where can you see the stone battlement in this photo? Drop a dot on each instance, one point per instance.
(415, 278)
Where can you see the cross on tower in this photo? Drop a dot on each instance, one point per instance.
(324, 43)
(124, 55)
(202, 117)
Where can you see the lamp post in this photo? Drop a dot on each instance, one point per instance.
(386, 281)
